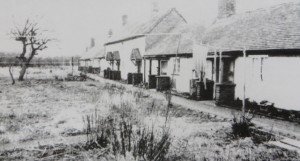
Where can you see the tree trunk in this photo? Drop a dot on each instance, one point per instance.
(22, 72)
(11, 75)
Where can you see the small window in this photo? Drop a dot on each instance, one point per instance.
(164, 66)
(257, 66)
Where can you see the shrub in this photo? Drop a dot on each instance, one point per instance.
(241, 125)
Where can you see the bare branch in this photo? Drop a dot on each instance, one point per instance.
(30, 35)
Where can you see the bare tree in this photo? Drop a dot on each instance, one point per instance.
(11, 74)
(31, 36)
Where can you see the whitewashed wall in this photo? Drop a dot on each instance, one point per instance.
(103, 65)
(184, 76)
(95, 63)
(125, 49)
(154, 68)
(209, 70)
(81, 63)
(88, 63)
(279, 83)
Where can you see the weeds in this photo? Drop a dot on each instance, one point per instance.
(123, 139)
(4, 140)
(168, 95)
(241, 125)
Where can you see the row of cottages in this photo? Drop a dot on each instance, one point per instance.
(153, 52)
(259, 53)
(174, 57)
(251, 55)
(93, 60)
(150, 51)
(156, 52)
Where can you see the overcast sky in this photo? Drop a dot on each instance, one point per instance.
(74, 22)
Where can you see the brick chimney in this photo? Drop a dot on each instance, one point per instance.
(110, 33)
(155, 9)
(124, 20)
(92, 43)
(226, 8)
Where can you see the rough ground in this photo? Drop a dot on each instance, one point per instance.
(278, 127)
(41, 115)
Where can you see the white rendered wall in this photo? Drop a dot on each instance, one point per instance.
(279, 83)
(154, 68)
(95, 63)
(125, 49)
(183, 77)
(81, 63)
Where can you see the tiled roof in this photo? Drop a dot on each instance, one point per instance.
(163, 23)
(277, 27)
(181, 42)
(94, 52)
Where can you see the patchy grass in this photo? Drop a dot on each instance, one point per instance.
(4, 140)
(43, 119)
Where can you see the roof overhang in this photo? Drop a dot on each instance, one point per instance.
(124, 39)
(270, 52)
(155, 56)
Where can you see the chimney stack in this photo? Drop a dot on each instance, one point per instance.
(155, 9)
(92, 42)
(110, 33)
(226, 8)
(124, 20)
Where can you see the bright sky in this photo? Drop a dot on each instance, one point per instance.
(74, 22)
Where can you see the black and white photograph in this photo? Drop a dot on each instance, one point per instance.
(150, 80)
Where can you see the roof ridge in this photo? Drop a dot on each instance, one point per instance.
(268, 8)
(175, 10)
(164, 16)
(255, 11)
(269, 28)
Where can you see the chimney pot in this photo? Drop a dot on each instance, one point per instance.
(92, 43)
(124, 20)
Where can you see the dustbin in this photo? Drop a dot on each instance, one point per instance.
(224, 93)
(152, 81)
(137, 78)
(163, 83)
(129, 78)
(117, 75)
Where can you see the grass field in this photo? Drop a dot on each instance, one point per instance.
(42, 119)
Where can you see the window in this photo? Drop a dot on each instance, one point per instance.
(257, 66)
(164, 65)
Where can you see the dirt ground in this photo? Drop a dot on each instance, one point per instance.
(39, 115)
